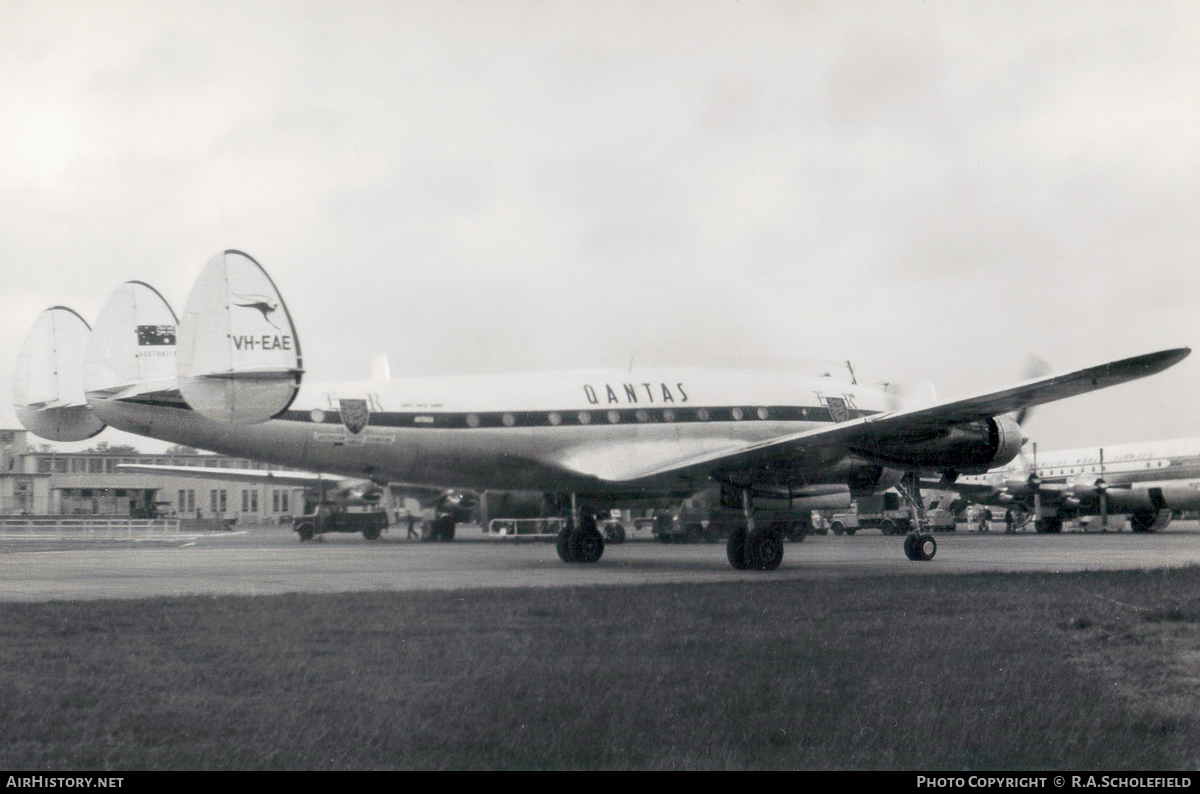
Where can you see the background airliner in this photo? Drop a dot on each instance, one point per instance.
(590, 440)
(1146, 480)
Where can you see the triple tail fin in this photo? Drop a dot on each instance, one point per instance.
(48, 386)
(238, 354)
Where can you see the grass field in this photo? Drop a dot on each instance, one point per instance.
(1095, 670)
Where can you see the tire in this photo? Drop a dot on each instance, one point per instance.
(910, 547)
(1142, 520)
(851, 530)
(443, 528)
(837, 527)
(587, 544)
(563, 545)
(371, 533)
(764, 549)
(888, 527)
(614, 533)
(695, 533)
(1048, 525)
(735, 549)
(926, 547)
(797, 531)
(305, 531)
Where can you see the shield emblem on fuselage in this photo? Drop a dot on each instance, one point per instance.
(838, 410)
(354, 414)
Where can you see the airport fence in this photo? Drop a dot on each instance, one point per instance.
(94, 527)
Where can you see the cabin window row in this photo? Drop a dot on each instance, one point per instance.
(614, 417)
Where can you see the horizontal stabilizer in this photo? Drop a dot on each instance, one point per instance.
(132, 346)
(265, 477)
(238, 356)
(48, 386)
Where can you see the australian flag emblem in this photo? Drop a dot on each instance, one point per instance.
(149, 335)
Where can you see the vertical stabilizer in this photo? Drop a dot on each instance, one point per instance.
(48, 386)
(132, 346)
(238, 356)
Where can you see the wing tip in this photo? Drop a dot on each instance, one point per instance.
(1157, 362)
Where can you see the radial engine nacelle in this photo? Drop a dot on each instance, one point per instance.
(972, 447)
(357, 494)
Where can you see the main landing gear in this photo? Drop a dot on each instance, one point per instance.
(751, 548)
(755, 549)
(581, 541)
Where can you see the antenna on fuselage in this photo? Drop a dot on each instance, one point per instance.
(850, 367)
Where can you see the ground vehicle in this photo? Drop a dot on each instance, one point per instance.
(336, 518)
(888, 513)
(702, 517)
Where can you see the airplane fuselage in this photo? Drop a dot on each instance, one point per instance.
(1152, 475)
(508, 432)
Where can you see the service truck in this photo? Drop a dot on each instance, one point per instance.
(326, 517)
(704, 518)
(888, 513)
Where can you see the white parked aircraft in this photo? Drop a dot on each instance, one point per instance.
(1146, 480)
(592, 439)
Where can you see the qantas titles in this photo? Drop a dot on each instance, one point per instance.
(632, 392)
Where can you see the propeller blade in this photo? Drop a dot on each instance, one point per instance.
(1034, 368)
(1102, 487)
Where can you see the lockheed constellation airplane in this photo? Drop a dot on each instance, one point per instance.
(1147, 480)
(592, 440)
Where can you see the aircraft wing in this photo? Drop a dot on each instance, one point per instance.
(971, 490)
(895, 428)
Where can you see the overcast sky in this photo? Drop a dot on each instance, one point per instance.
(931, 190)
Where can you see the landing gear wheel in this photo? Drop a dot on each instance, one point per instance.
(305, 531)
(563, 544)
(587, 544)
(764, 549)
(614, 533)
(1050, 525)
(443, 528)
(735, 549)
(920, 546)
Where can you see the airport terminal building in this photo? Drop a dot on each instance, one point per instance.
(39, 481)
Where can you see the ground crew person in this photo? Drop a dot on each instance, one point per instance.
(1008, 521)
(411, 521)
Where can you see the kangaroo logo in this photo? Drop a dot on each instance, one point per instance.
(260, 303)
